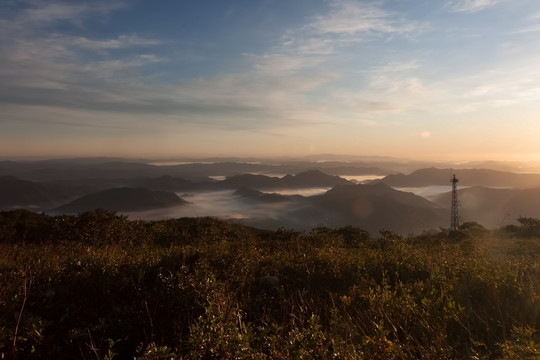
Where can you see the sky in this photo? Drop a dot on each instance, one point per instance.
(419, 79)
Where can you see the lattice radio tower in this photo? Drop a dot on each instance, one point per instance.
(454, 216)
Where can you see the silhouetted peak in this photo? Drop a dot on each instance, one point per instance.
(375, 188)
(123, 199)
(244, 191)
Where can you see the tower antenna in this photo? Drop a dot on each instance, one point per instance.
(454, 215)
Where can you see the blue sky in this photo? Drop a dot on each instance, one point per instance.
(421, 79)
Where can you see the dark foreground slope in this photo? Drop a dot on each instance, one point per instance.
(98, 286)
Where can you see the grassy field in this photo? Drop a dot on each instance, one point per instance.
(99, 286)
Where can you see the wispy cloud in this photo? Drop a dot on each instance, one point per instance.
(40, 64)
(530, 24)
(331, 38)
(120, 42)
(528, 29)
(357, 18)
(471, 6)
(533, 27)
(277, 88)
(46, 12)
(512, 85)
(393, 88)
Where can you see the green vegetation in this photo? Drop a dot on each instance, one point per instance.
(99, 286)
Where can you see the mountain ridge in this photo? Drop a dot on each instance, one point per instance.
(467, 177)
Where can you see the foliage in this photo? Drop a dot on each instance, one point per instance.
(101, 286)
(528, 228)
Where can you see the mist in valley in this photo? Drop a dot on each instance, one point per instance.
(222, 204)
(230, 206)
(270, 194)
(299, 210)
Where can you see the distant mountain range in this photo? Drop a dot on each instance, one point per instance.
(18, 193)
(79, 169)
(71, 186)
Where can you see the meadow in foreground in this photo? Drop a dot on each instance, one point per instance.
(99, 286)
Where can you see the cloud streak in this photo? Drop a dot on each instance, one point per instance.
(52, 72)
(360, 20)
(471, 6)
(49, 68)
(44, 13)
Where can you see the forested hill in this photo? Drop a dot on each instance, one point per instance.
(122, 199)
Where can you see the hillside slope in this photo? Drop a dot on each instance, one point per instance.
(122, 199)
(371, 207)
(17, 193)
(494, 207)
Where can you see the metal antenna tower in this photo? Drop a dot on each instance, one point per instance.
(454, 216)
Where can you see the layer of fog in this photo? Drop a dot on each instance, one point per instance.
(359, 179)
(302, 192)
(220, 204)
(228, 205)
(427, 191)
